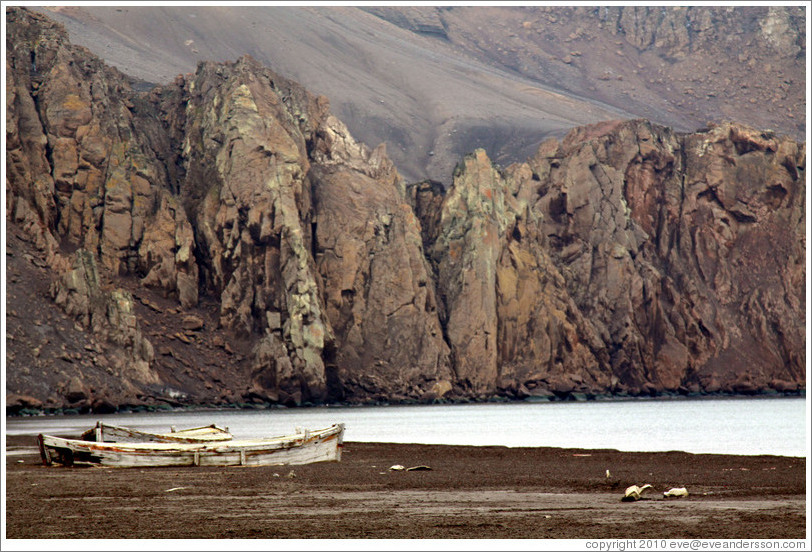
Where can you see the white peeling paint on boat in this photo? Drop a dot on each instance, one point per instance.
(118, 434)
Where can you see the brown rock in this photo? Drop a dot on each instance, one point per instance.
(109, 315)
(105, 176)
(166, 252)
(379, 294)
(76, 391)
(679, 223)
(16, 402)
(561, 384)
(426, 199)
(506, 306)
(783, 386)
(192, 322)
(103, 406)
(252, 159)
(744, 388)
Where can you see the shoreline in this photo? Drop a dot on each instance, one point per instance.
(487, 492)
(25, 412)
(26, 445)
(638, 427)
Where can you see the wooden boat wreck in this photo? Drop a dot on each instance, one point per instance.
(118, 434)
(303, 447)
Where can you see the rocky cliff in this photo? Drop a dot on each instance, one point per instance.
(668, 245)
(223, 239)
(627, 258)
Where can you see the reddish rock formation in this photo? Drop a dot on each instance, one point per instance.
(510, 322)
(76, 155)
(241, 150)
(379, 292)
(685, 252)
(626, 258)
(231, 223)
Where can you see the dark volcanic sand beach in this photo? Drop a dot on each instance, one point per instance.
(470, 492)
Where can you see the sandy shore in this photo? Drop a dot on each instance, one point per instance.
(470, 492)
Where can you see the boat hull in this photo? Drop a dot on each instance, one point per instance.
(302, 448)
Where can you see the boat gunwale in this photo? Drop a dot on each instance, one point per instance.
(188, 435)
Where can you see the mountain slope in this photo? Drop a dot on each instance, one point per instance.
(435, 83)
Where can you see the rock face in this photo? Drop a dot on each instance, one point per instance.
(227, 240)
(626, 258)
(509, 320)
(266, 168)
(77, 153)
(683, 30)
(379, 292)
(668, 244)
(108, 315)
(80, 176)
(245, 187)
(215, 185)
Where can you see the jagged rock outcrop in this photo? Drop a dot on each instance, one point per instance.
(685, 252)
(379, 292)
(265, 167)
(246, 189)
(682, 30)
(109, 316)
(80, 176)
(626, 258)
(509, 320)
(207, 187)
(225, 239)
(76, 156)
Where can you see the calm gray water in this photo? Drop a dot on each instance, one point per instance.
(726, 426)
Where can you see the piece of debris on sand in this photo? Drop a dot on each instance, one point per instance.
(634, 493)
